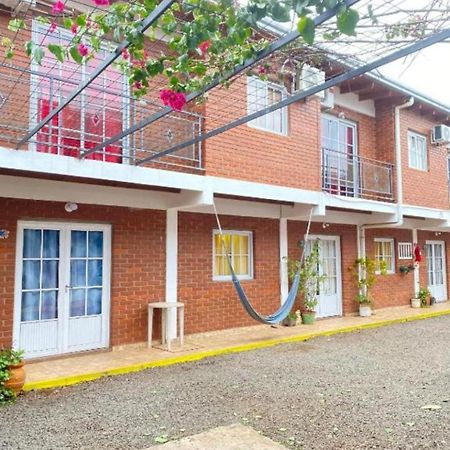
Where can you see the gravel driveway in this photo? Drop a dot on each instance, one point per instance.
(355, 391)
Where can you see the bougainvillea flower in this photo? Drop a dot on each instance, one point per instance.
(204, 46)
(101, 2)
(166, 95)
(83, 49)
(125, 54)
(261, 69)
(53, 27)
(74, 28)
(175, 100)
(138, 84)
(58, 7)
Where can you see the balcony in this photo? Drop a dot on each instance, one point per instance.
(355, 176)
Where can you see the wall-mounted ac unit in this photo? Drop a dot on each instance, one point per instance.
(309, 77)
(440, 134)
(327, 101)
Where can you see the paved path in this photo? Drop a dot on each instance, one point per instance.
(385, 388)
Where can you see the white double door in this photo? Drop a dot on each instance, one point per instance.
(62, 292)
(329, 292)
(436, 273)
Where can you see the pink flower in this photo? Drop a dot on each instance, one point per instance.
(138, 84)
(261, 69)
(74, 28)
(203, 47)
(58, 7)
(83, 50)
(175, 100)
(53, 27)
(125, 53)
(101, 2)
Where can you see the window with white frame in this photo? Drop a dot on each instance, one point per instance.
(384, 252)
(238, 245)
(261, 94)
(417, 151)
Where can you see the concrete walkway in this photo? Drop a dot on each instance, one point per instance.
(233, 437)
(92, 365)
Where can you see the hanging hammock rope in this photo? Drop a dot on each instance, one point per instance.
(286, 307)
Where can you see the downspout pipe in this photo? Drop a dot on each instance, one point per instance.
(398, 169)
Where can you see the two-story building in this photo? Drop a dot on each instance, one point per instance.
(87, 243)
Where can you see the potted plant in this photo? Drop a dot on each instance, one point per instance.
(12, 374)
(364, 270)
(415, 301)
(291, 319)
(423, 295)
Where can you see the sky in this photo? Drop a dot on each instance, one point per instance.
(427, 72)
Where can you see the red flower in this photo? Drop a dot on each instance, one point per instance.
(74, 28)
(125, 54)
(83, 49)
(53, 27)
(138, 84)
(175, 100)
(101, 2)
(204, 46)
(58, 7)
(261, 69)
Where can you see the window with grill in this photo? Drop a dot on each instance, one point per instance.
(417, 151)
(260, 95)
(238, 245)
(384, 251)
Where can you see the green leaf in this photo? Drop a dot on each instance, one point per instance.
(347, 21)
(81, 20)
(68, 23)
(9, 53)
(38, 54)
(16, 25)
(58, 51)
(281, 13)
(29, 45)
(75, 54)
(307, 29)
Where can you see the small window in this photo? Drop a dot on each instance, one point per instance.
(417, 151)
(238, 244)
(260, 95)
(384, 251)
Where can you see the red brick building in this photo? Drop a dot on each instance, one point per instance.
(87, 244)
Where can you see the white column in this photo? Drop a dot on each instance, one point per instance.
(284, 278)
(171, 270)
(417, 269)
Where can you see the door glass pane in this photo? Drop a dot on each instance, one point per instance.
(94, 301)
(77, 302)
(78, 247)
(32, 243)
(49, 274)
(95, 244)
(30, 306)
(49, 309)
(31, 274)
(51, 244)
(78, 272)
(95, 272)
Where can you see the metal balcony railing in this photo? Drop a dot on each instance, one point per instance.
(355, 176)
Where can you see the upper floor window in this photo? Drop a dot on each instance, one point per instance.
(417, 151)
(261, 94)
(238, 245)
(384, 255)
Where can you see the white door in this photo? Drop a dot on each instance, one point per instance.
(62, 288)
(330, 289)
(436, 273)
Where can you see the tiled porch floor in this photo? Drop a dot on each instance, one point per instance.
(72, 369)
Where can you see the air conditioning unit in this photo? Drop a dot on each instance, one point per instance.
(327, 101)
(440, 134)
(309, 77)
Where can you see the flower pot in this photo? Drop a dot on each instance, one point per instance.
(415, 303)
(16, 378)
(365, 310)
(289, 322)
(308, 317)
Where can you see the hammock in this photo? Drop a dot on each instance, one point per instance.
(286, 307)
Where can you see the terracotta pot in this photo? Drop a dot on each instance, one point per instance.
(16, 378)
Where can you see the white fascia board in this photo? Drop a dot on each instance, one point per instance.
(336, 201)
(427, 213)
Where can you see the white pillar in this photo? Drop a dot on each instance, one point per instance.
(417, 269)
(171, 270)
(284, 278)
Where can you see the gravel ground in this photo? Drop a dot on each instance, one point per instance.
(355, 391)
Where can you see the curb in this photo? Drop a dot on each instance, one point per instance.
(71, 380)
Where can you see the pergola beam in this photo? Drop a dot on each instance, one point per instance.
(426, 42)
(275, 46)
(145, 25)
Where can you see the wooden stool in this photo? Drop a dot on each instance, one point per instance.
(164, 306)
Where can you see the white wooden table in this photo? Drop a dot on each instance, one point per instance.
(164, 307)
